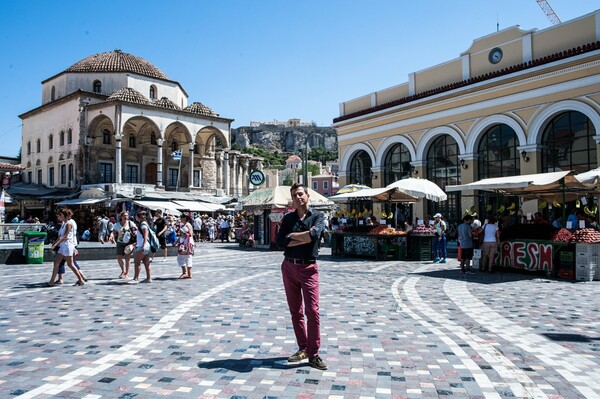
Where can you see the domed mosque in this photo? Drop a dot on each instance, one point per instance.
(116, 121)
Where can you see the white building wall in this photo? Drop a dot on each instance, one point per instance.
(52, 121)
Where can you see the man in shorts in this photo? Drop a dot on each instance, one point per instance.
(161, 228)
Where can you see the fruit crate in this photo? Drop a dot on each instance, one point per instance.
(567, 260)
(420, 248)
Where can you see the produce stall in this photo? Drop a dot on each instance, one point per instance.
(379, 242)
(538, 246)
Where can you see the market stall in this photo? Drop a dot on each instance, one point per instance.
(267, 206)
(363, 235)
(539, 246)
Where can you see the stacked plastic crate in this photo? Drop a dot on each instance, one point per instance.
(587, 259)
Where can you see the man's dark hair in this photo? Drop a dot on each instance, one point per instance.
(296, 186)
(466, 218)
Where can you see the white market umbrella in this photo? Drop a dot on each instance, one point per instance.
(420, 188)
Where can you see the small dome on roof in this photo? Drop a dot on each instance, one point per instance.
(117, 61)
(129, 95)
(201, 109)
(164, 102)
(293, 158)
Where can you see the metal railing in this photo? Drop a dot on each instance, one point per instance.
(14, 231)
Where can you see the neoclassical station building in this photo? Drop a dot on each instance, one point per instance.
(515, 102)
(113, 119)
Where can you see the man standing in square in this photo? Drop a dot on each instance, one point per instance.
(300, 234)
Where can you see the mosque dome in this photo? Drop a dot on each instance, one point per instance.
(127, 94)
(117, 61)
(164, 102)
(201, 109)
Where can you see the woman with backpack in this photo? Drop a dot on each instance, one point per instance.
(142, 249)
(123, 231)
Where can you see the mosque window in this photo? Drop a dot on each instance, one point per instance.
(97, 86)
(131, 141)
(153, 138)
(153, 92)
(106, 136)
(53, 93)
(61, 138)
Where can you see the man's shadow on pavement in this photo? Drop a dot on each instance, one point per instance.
(247, 365)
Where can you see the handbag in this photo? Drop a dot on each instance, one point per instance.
(127, 236)
(129, 249)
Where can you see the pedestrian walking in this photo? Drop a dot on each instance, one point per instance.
(123, 235)
(439, 241)
(160, 224)
(465, 240)
(142, 250)
(66, 245)
(489, 248)
(300, 234)
(185, 247)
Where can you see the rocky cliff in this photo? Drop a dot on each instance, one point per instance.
(284, 139)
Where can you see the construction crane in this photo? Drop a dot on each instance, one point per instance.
(547, 8)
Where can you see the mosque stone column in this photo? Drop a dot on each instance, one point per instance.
(159, 163)
(244, 173)
(118, 161)
(233, 163)
(218, 156)
(191, 177)
(226, 172)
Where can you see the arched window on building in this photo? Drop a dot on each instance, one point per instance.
(153, 138)
(38, 146)
(443, 168)
(396, 164)
(568, 143)
(498, 157)
(97, 86)
(106, 136)
(152, 92)
(53, 94)
(61, 138)
(196, 150)
(131, 141)
(50, 141)
(29, 148)
(174, 145)
(69, 136)
(498, 154)
(360, 169)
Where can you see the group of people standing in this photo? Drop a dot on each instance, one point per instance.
(132, 239)
(472, 235)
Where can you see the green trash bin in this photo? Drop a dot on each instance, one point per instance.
(33, 246)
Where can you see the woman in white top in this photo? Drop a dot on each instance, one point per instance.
(185, 247)
(142, 250)
(66, 245)
(489, 248)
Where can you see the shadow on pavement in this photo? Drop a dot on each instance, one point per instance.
(488, 278)
(570, 337)
(247, 365)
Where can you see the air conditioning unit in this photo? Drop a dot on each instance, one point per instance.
(139, 191)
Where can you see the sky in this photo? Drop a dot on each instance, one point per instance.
(251, 60)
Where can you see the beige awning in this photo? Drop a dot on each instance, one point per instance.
(198, 206)
(165, 206)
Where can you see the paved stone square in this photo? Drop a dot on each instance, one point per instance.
(389, 330)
